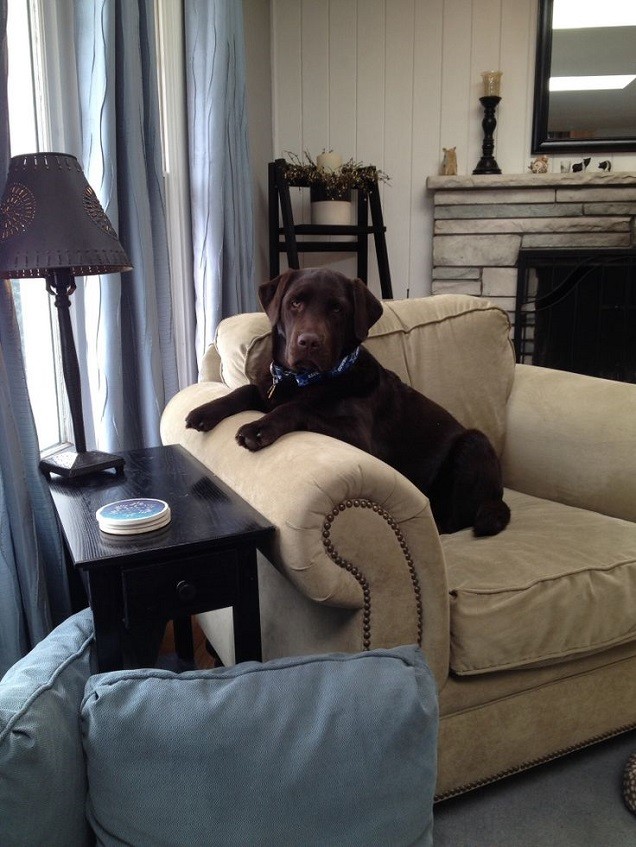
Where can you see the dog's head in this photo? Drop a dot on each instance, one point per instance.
(318, 316)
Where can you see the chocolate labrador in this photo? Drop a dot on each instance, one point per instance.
(321, 379)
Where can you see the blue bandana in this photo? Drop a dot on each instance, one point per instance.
(312, 377)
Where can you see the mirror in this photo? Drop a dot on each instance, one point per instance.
(585, 77)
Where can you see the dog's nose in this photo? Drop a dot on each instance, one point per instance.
(308, 341)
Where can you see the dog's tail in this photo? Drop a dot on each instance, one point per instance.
(492, 516)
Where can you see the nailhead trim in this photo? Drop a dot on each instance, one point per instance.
(480, 783)
(357, 573)
(629, 783)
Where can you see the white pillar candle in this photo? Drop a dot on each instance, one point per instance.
(329, 162)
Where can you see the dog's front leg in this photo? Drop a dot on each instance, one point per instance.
(263, 432)
(207, 416)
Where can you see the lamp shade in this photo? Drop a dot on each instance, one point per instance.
(50, 218)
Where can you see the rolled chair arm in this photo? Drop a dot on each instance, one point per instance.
(572, 438)
(351, 531)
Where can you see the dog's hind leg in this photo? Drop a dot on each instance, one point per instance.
(468, 490)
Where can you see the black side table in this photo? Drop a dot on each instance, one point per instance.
(204, 559)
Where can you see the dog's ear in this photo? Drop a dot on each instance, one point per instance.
(366, 309)
(271, 295)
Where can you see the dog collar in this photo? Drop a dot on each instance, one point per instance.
(312, 377)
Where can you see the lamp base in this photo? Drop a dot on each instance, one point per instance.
(70, 464)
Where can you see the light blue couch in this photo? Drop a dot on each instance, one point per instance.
(325, 750)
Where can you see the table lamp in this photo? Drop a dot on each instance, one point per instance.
(52, 226)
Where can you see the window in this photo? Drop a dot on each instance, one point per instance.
(172, 100)
(33, 124)
(34, 306)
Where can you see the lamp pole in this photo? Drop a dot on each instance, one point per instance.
(61, 284)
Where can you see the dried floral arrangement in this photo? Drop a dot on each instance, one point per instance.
(334, 184)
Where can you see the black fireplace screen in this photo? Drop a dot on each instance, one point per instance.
(576, 311)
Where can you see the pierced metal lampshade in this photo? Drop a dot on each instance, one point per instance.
(52, 226)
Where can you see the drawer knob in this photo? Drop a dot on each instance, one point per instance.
(186, 591)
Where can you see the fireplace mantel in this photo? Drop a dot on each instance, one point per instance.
(481, 223)
(532, 181)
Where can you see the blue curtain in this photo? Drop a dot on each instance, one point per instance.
(34, 593)
(126, 333)
(220, 178)
(123, 322)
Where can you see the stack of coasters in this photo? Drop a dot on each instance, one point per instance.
(130, 517)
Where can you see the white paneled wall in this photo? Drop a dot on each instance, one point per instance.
(392, 82)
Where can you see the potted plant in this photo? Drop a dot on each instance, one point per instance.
(330, 183)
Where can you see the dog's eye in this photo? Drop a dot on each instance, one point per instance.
(295, 303)
(336, 307)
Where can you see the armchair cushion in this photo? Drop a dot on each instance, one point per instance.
(333, 749)
(42, 775)
(516, 600)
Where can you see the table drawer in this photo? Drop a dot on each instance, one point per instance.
(187, 586)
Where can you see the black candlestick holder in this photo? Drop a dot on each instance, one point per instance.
(487, 163)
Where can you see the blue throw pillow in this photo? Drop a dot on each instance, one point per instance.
(317, 750)
(42, 773)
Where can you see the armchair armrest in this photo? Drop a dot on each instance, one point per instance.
(572, 438)
(351, 531)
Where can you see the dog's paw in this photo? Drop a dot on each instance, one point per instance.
(202, 419)
(256, 435)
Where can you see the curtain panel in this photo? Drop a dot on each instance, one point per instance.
(101, 69)
(34, 592)
(220, 175)
(127, 333)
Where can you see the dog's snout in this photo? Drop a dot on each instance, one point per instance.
(309, 342)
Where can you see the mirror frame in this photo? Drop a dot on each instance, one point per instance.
(540, 141)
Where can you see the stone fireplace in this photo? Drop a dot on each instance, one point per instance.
(576, 311)
(495, 236)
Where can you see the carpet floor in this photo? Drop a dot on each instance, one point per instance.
(575, 801)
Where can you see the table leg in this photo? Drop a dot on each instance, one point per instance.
(183, 641)
(106, 605)
(246, 610)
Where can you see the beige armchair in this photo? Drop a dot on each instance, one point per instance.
(531, 634)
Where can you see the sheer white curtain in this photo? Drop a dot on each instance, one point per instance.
(101, 74)
(121, 149)
(102, 66)
(220, 179)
